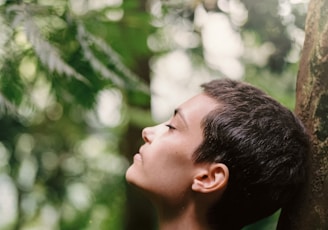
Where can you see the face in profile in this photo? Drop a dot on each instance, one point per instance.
(164, 167)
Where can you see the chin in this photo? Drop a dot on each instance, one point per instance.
(135, 179)
(131, 175)
(128, 174)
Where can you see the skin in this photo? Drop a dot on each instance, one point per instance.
(164, 168)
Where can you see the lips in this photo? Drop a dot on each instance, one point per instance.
(137, 157)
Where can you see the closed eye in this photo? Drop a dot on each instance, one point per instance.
(170, 126)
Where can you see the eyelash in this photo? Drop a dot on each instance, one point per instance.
(170, 126)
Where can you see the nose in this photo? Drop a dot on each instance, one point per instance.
(147, 134)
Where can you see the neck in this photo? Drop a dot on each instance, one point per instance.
(183, 217)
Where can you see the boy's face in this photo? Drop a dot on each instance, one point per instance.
(164, 166)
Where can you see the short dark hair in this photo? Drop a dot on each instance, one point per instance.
(263, 144)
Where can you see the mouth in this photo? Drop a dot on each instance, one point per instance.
(137, 157)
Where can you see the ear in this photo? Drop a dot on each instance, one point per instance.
(210, 178)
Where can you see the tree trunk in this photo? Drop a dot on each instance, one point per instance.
(310, 210)
(139, 213)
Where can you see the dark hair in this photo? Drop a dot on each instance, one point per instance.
(264, 146)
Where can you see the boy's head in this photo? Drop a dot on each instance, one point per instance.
(232, 150)
(264, 147)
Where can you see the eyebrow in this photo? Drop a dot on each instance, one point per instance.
(177, 112)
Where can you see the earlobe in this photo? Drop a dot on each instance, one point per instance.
(213, 177)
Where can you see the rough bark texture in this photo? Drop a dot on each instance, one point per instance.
(310, 210)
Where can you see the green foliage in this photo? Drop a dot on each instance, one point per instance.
(281, 87)
(11, 83)
(269, 223)
(57, 61)
(58, 58)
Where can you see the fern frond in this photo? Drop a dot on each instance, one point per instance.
(85, 39)
(97, 65)
(6, 33)
(114, 58)
(48, 55)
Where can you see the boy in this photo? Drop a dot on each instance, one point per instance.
(227, 158)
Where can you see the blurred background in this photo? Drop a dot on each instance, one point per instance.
(79, 79)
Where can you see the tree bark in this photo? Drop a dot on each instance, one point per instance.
(310, 210)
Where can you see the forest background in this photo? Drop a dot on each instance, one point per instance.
(80, 79)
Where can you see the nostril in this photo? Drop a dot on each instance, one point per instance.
(145, 135)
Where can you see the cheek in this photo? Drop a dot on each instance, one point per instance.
(172, 157)
(168, 180)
